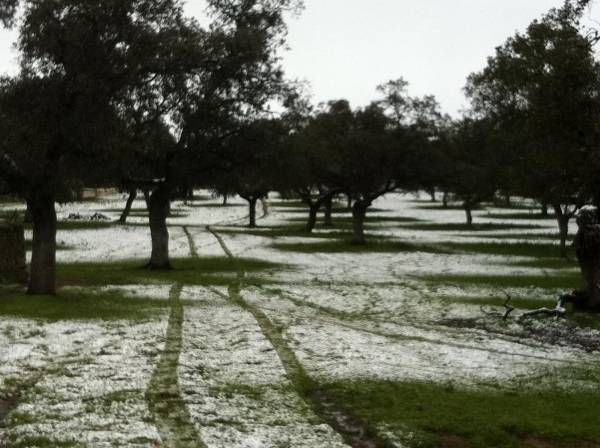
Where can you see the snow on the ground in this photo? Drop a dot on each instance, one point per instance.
(86, 381)
(234, 383)
(346, 316)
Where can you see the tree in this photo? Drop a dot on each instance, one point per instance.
(258, 151)
(83, 64)
(364, 155)
(231, 75)
(543, 89)
(474, 165)
(311, 171)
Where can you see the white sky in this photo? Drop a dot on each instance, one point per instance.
(345, 48)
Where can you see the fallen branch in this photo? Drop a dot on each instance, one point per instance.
(557, 312)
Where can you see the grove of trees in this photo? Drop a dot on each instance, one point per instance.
(134, 94)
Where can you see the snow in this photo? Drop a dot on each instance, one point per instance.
(347, 316)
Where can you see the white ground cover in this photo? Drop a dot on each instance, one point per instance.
(88, 381)
(345, 315)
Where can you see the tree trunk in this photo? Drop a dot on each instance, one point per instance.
(42, 279)
(127, 209)
(349, 202)
(329, 212)
(13, 267)
(312, 217)
(587, 248)
(225, 200)
(469, 214)
(563, 229)
(545, 210)
(507, 200)
(158, 208)
(445, 199)
(359, 212)
(432, 194)
(252, 203)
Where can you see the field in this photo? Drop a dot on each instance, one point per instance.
(271, 338)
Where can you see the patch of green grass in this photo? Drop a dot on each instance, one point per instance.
(189, 271)
(520, 215)
(81, 225)
(522, 236)
(345, 222)
(547, 263)
(78, 305)
(544, 250)
(120, 210)
(59, 246)
(145, 214)
(566, 281)
(283, 231)
(450, 227)
(374, 245)
(518, 303)
(43, 442)
(440, 206)
(477, 418)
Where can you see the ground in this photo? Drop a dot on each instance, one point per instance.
(271, 338)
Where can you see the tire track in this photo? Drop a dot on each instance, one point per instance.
(354, 431)
(164, 396)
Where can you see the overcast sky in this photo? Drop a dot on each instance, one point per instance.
(345, 48)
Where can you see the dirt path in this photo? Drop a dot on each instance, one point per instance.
(354, 431)
(163, 395)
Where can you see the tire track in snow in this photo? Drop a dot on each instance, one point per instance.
(355, 432)
(163, 395)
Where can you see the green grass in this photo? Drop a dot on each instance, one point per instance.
(345, 222)
(78, 305)
(59, 246)
(293, 230)
(518, 303)
(520, 215)
(524, 236)
(436, 414)
(450, 227)
(546, 250)
(566, 281)
(342, 246)
(547, 263)
(192, 271)
(81, 225)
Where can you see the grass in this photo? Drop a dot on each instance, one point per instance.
(524, 236)
(518, 303)
(189, 271)
(345, 222)
(292, 230)
(343, 246)
(451, 227)
(439, 414)
(547, 250)
(59, 246)
(81, 225)
(520, 215)
(547, 263)
(566, 281)
(78, 305)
